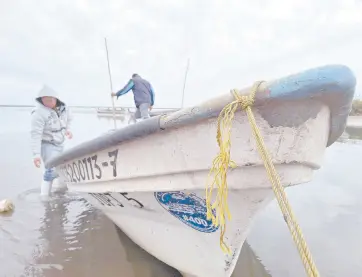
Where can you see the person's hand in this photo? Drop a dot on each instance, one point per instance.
(113, 94)
(151, 108)
(69, 134)
(37, 162)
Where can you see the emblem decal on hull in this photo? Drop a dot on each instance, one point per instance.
(189, 208)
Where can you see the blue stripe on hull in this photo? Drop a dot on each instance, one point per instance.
(334, 85)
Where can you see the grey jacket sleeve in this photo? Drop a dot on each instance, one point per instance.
(37, 127)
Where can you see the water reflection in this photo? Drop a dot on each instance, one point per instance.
(144, 264)
(354, 133)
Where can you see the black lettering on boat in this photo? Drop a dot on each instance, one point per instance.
(113, 163)
(89, 160)
(90, 168)
(101, 198)
(116, 200)
(124, 194)
(76, 171)
(70, 168)
(86, 167)
(96, 166)
(112, 200)
(69, 177)
(81, 170)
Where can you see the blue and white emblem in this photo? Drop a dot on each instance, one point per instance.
(189, 208)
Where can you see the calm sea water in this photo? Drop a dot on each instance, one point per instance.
(68, 237)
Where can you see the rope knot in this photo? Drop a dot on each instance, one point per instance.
(244, 100)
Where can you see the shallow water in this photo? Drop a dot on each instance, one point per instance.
(67, 236)
(329, 211)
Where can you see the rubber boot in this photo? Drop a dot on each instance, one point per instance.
(45, 188)
(58, 186)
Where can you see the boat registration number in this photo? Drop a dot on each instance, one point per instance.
(115, 199)
(91, 168)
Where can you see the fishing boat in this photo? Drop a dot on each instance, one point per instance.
(150, 178)
(109, 110)
(130, 112)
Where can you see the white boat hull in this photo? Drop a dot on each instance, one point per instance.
(150, 177)
(173, 226)
(187, 154)
(186, 157)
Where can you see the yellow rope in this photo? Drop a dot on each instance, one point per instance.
(221, 165)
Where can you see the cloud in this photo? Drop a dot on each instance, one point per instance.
(230, 44)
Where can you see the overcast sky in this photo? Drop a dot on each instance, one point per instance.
(230, 44)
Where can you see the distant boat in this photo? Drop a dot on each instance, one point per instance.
(149, 178)
(109, 110)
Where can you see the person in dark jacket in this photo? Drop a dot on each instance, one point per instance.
(143, 95)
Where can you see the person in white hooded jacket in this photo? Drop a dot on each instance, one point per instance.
(50, 124)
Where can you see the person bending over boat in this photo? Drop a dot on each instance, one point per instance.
(143, 95)
(50, 124)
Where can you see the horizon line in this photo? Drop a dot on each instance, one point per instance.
(77, 106)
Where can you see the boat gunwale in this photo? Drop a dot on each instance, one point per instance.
(334, 85)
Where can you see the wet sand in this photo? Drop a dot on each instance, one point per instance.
(67, 236)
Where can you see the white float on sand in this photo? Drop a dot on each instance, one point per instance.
(6, 205)
(150, 177)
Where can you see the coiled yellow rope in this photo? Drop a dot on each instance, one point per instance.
(221, 165)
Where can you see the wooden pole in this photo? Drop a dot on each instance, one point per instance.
(183, 91)
(110, 82)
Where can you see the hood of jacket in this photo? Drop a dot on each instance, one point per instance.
(47, 91)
